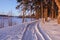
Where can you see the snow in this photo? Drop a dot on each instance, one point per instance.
(29, 30)
(24, 31)
(52, 28)
(10, 21)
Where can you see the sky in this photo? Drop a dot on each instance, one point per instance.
(7, 6)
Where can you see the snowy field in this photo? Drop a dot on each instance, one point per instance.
(24, 31)
(29, 30)
(5, 21)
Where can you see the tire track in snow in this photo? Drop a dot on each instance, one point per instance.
(41, 35)
(46, 37)
(29, 25)
(38, 34)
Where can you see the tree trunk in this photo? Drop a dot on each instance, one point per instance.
(58, 4)
(31, 15)
(42, 12)
(10, 21)
(46, 10)
(23, 16)
(58, 16)
(52, 14)
(46, 14)
(52, 10)
(55, 14)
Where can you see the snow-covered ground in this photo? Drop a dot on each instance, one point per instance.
(24, 31)
(7, 21)
(29, 30)
(52, 28)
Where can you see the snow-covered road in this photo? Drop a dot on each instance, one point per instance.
(24, 31)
